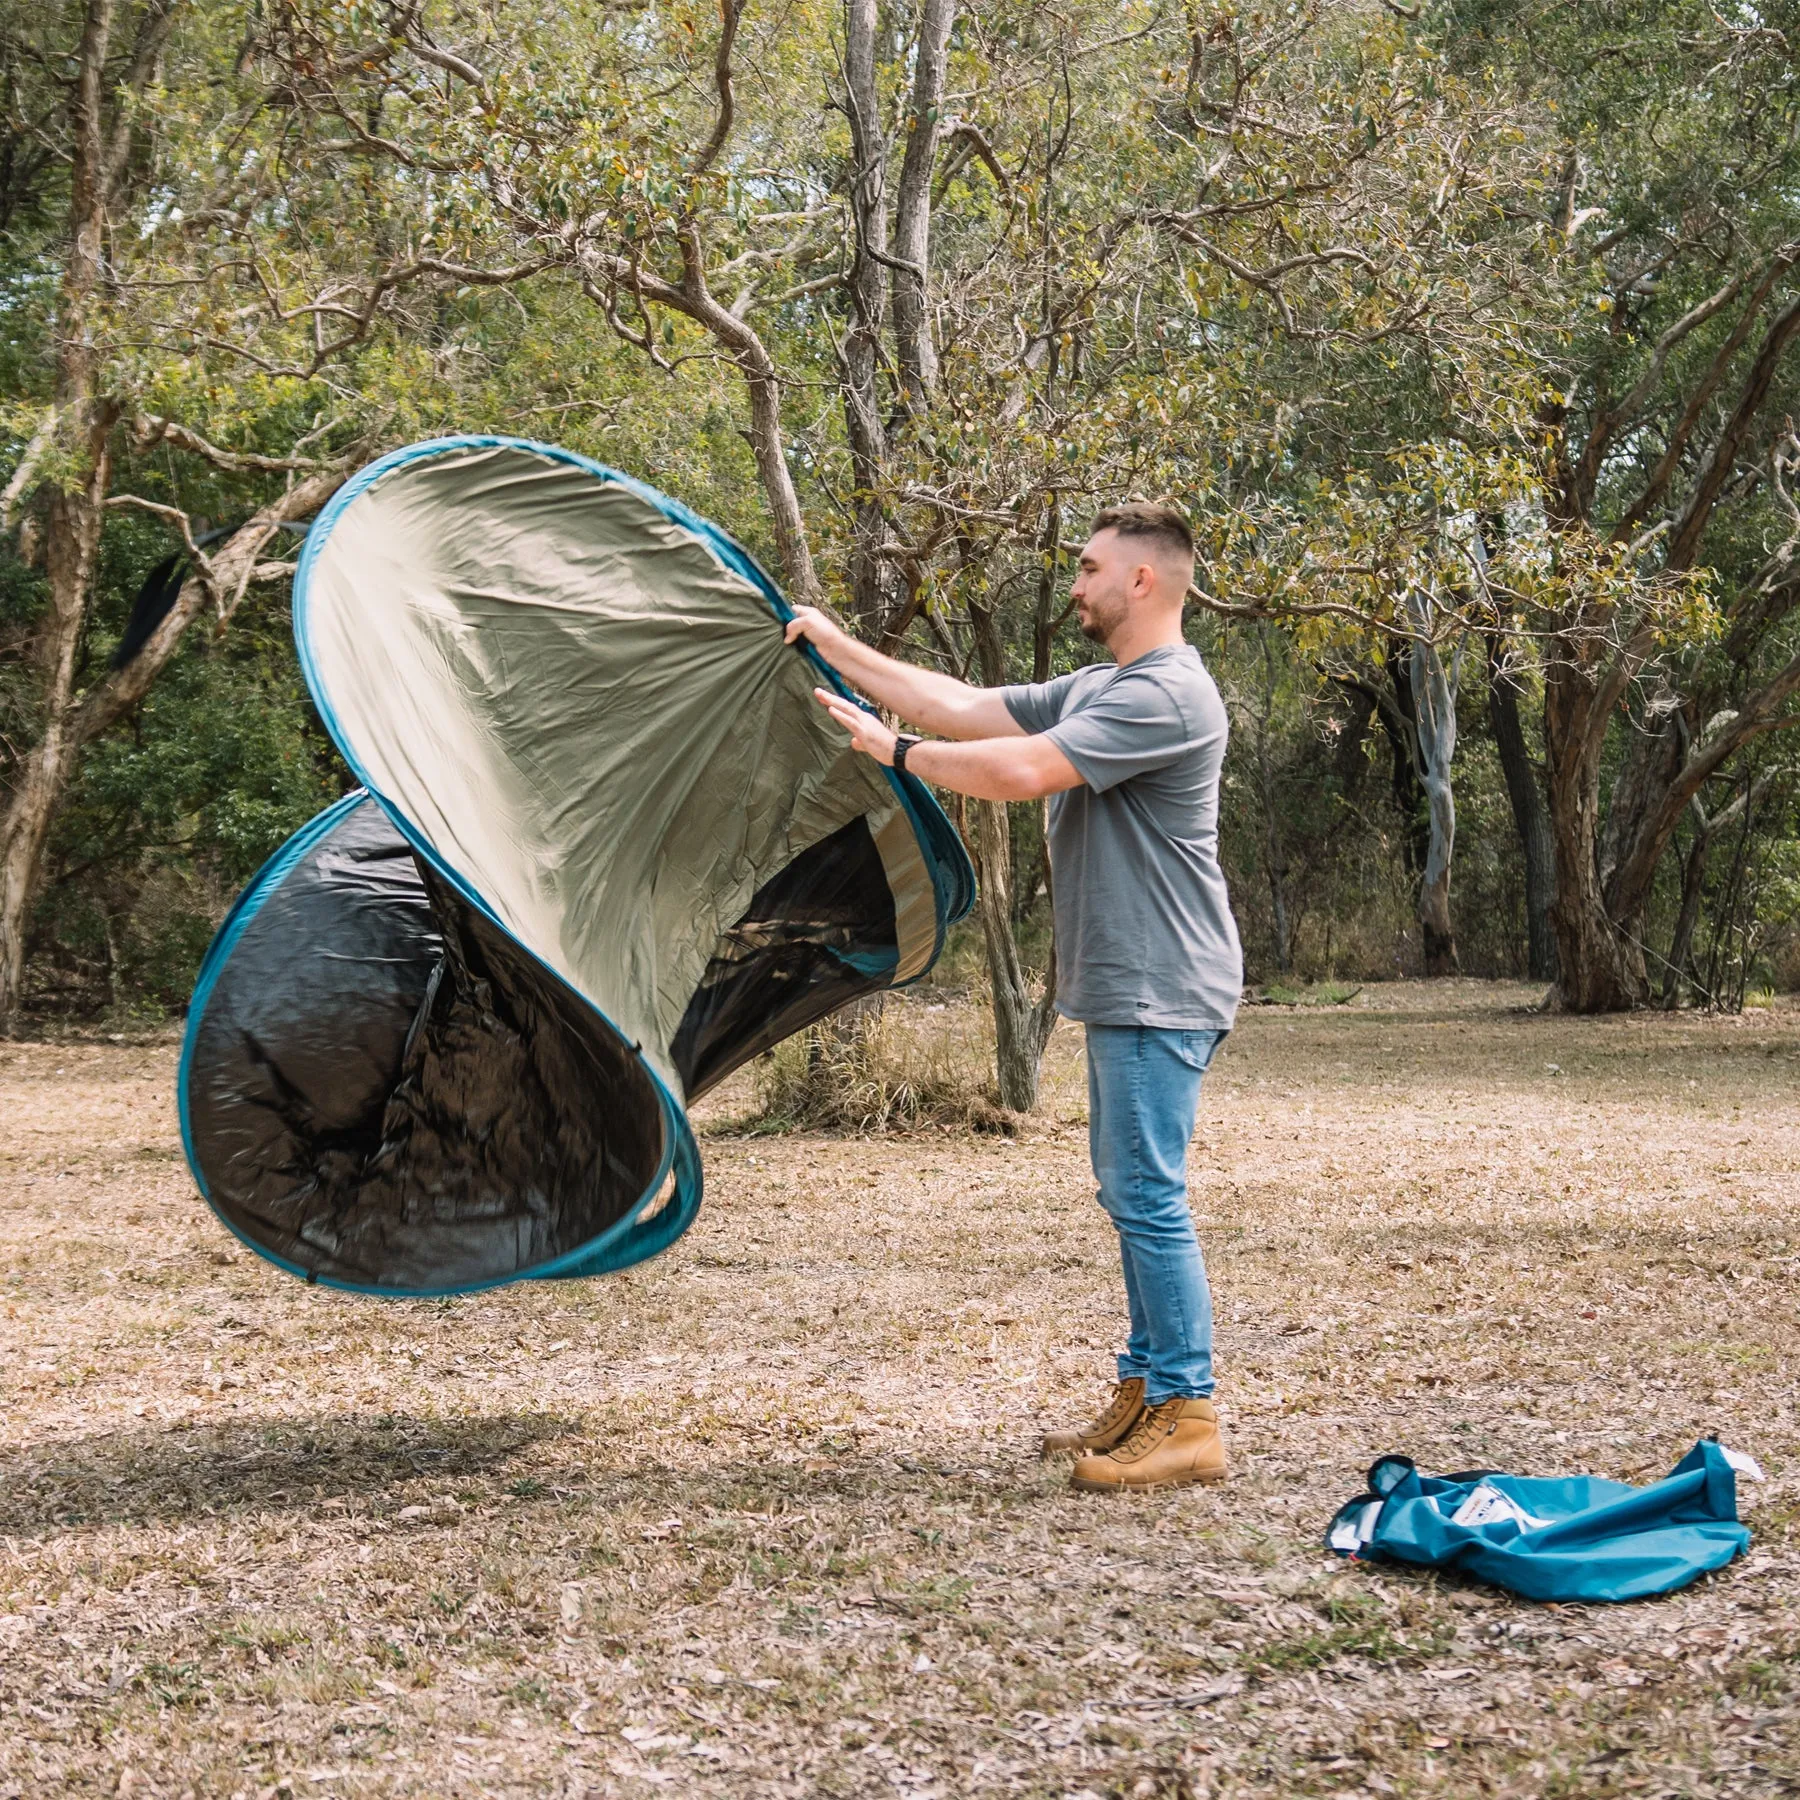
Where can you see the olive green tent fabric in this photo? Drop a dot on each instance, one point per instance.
(560, 686)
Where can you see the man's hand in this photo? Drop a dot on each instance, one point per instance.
(1015, 767)
(867, 733)
(820, 630)
(936, 705)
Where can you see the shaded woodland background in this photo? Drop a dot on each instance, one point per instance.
(1464, 332)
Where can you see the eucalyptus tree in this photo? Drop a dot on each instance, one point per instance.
(1392, 394)
(1153, 240)
(977, 269)
(210, 313)
(85, 173)
(811, 201)
(1653, 561)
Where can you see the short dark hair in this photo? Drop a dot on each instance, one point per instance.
(1161, 525)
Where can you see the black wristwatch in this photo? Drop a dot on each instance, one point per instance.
(903, 743)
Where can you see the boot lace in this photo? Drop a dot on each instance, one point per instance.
(1151, 1425)
(1116, 1409)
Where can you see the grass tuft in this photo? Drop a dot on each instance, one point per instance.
(897, 1070)
(1319, 993)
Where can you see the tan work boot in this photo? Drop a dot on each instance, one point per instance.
(1171, 1445)
(1110, 1428)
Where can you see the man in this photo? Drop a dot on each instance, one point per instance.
(1146, 945)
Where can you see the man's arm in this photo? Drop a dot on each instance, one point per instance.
(936, 703)
(994, 768)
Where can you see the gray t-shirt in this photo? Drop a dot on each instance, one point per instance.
(1144, 932)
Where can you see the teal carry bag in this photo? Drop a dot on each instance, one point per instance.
(1578, 1538)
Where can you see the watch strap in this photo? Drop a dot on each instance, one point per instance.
(903, 742)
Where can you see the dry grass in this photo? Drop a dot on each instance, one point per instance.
(915, 1063)
(765, 1518)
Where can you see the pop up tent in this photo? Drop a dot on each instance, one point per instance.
(607, 849)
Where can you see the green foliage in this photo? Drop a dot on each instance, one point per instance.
(171, 815)
(1339, 280)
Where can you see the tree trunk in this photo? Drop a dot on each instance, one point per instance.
(1436, 930)
(74, 516)
(915, 352)
(1434, 717)
(778, 485)
(1021, 1026)
(1349, 762)
(1275, 854)
(1599, 970)
(71, 539)
(693, 297)
(1667, 771)
(1399, 717)
(1530, 817)
(1274, 850)
(71, 544)
(1655, 747)
(72, 519)
(871, 580)
(228, 574)
(1393, 703)
(1693, 877)
(1679, 967)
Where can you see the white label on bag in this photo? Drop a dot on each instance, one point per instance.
(1743, 1463)
(1486, 1505)
(1351, 1534)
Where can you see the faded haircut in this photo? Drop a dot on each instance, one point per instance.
(1159, 526)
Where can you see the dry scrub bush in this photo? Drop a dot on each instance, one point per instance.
(901, 1069)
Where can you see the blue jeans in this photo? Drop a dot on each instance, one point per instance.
(1143, 1088)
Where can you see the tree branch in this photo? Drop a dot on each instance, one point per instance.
(1757, 716)
(153, 32)
(20, 481)
(426, 51)
(1701, 398)
(234, 566)
(1259, 611)
(983, 151)
(1607, 426)
(149, 429)
(1684, 542)
(731, 11)
(915, 353)
(203, 568)
(1266, 281)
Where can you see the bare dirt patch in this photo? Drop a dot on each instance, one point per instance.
(766, 1517)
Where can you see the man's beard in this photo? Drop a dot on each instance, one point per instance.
(1100, 623)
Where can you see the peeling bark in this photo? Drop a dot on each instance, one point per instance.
(910, 265)
(1434, 715)
(1530, 816)
(871, 580)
